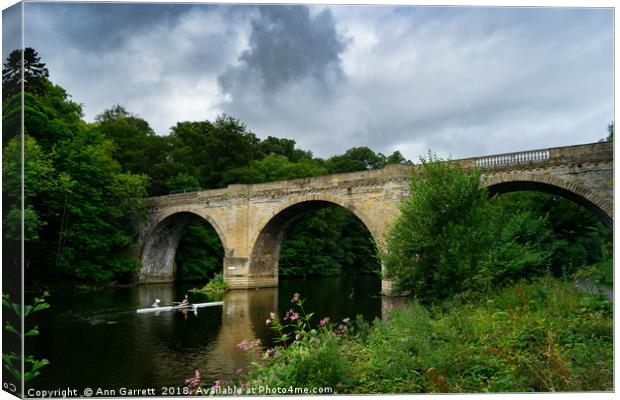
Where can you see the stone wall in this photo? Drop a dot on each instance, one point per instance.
(251, 220)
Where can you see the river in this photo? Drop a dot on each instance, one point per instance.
(96, 339)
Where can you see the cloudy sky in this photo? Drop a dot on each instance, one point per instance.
(461, 81)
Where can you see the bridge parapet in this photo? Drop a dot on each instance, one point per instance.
(577, 154)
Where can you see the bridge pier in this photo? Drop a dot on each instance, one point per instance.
(251, 220)
(236, 274)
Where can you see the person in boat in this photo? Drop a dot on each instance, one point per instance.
(185, 301)
(156, 304)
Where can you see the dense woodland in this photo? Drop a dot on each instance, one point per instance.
(83, 182)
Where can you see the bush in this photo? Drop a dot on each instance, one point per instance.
(216, 286)
(540, 336)
(434, 247)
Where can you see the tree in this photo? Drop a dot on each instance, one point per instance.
(138, 149)
(34, 73)
(356, 159)
(435, 246)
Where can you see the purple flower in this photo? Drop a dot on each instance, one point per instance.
(324, 321)
(295, 298)
(193, 382)
(294, 316)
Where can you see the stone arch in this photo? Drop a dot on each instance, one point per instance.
(267, 241)
(162, 239)
(504, 183)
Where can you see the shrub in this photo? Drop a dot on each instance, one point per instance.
(434, 247)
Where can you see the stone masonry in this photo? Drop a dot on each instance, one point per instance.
(252, 220)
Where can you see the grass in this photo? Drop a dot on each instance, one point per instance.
(540, 336)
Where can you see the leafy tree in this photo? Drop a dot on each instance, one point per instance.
(330, 241)
(284, 147)
(34, 73)
(355, 159)
(434, 247)
(137, 148)
(200, 254)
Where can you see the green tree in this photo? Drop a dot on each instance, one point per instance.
(137, 148)
(435, 246)
(34, 73)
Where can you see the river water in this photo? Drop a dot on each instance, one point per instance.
(97, 339)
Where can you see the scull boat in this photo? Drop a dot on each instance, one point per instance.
(181, 307)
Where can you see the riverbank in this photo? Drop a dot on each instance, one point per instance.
(532, 337)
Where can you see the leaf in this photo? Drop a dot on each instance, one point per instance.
(10, 328)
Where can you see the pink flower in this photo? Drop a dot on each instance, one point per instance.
(294, 316)
(295, 298)
(324, 321)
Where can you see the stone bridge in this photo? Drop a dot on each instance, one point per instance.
(252, 220)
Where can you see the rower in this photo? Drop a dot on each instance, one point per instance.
(156, 304)
(185, 301)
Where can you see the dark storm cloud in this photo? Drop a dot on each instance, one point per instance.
(11, 29)
(159, 60)
(98, 27)
(287, 44)
(459, 80)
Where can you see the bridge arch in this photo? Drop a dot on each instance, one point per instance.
(162, 239)
(266, 243)
(498, 184)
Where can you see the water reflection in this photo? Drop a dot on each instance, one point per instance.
(98, 339)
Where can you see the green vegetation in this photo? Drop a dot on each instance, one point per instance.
(84, 180)
(200, 253)
(543, 335)
(215, 287)
(11, 361)
(497, 302)
(331, 241)
(80, 205)
(453, 239)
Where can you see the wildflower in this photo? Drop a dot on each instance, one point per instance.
(239, 371)
(193, 382)
(324, 321)
(244, 345)
(294, 316)
(269, 321)
(272, 315)
(346, 320)
(295, 298)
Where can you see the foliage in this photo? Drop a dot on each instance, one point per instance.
(451, 238)
(80, 206)
(330, 241)
(544, 335)
(34, 73)
(309, 354)
(434, 247)
(216, 286)
(200, 253)
(12, 361)
(540, 336)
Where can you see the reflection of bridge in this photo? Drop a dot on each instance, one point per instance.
(251, 220)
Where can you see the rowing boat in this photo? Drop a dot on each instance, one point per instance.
(187, 306)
